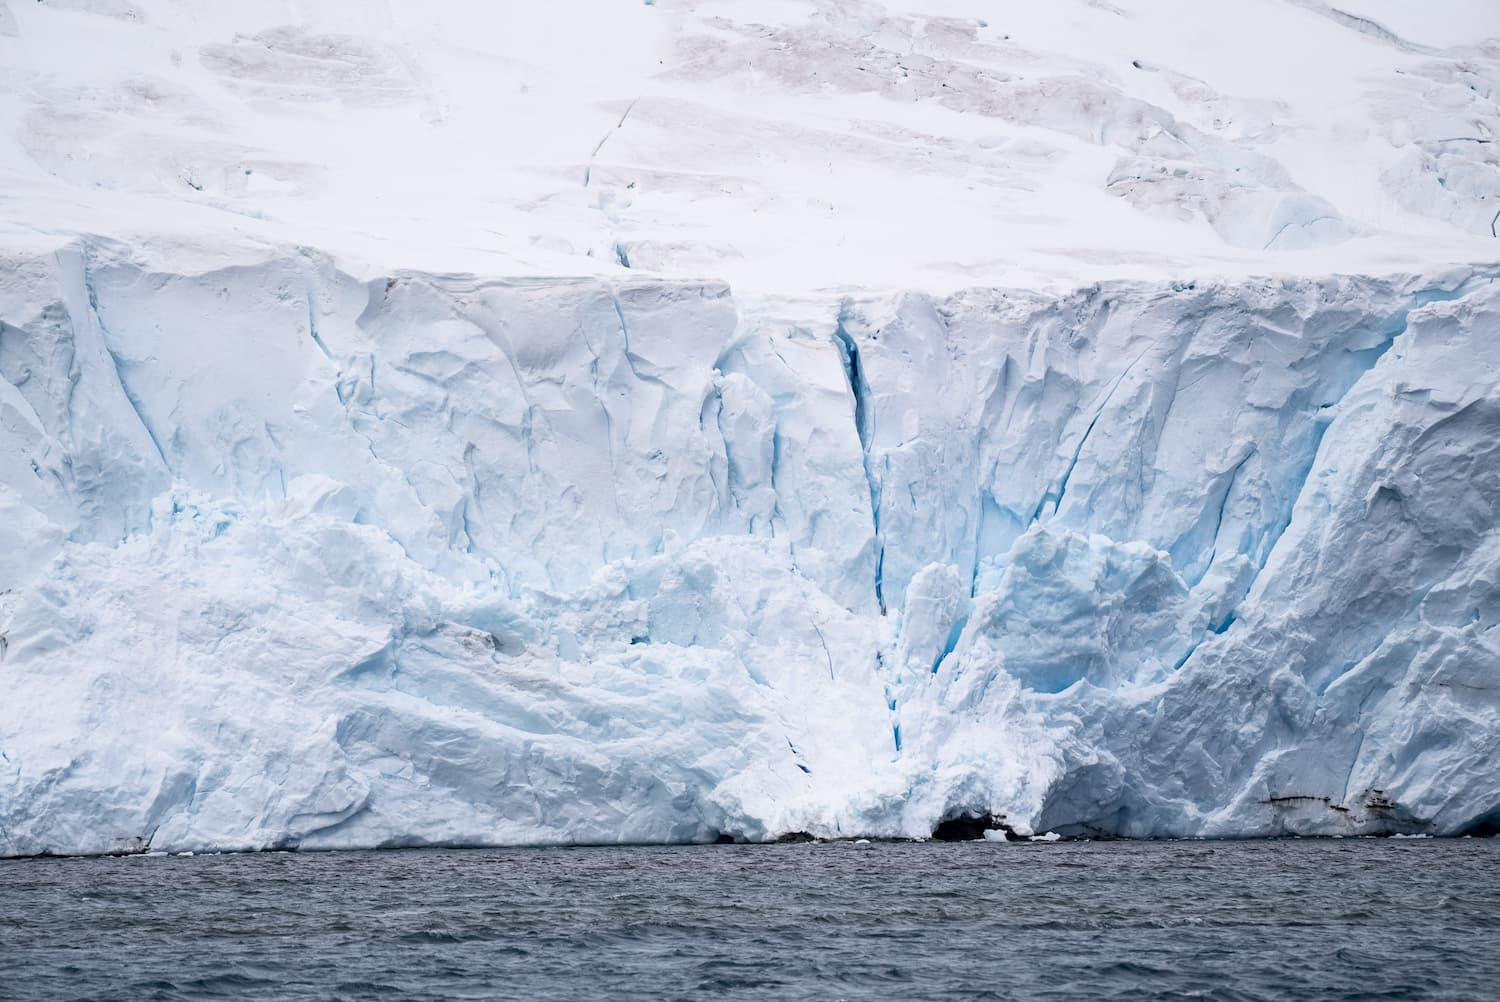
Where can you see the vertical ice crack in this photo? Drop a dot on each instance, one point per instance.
(1056, 494)
(601, 394)
(827, 654)
(775, 474)
(630, 357)
(312, 320)
(950, 643)
(891, 702)
(1229, 479)
(114, 360)
(309, 268)
(716, 398)
(864, 427)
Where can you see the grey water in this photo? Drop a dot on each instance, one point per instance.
(1350, 919)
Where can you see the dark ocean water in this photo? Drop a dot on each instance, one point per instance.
(1351, 919)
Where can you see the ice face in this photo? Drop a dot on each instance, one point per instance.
(297, 559)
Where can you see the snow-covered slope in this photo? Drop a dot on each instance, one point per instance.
(776, 144)
(487, 423)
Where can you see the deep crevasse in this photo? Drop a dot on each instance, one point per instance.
(301, 560)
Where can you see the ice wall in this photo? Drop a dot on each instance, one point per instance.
(295, 559)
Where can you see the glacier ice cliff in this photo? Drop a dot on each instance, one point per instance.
(299, 559)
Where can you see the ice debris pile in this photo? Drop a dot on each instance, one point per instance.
(297, 559)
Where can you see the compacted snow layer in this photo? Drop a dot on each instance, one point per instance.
(778, 144)
(294, 559)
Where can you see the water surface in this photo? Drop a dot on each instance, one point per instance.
(1350, 919)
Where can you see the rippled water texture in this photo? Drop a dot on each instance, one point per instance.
(1354, 919)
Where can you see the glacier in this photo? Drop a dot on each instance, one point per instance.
(304, 560)
(470, 424)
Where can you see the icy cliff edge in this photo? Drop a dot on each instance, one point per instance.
(297, 560)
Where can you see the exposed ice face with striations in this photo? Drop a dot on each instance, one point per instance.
(427, 559)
